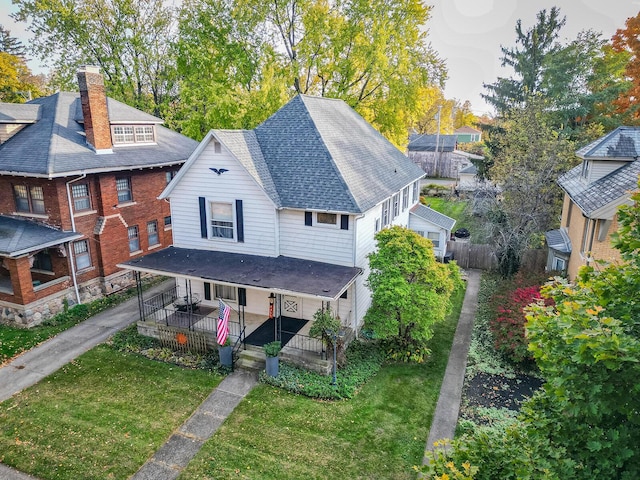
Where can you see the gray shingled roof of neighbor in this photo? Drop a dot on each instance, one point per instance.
(558, 240)
(590, 197)
(466, 129)
(470, 169)
(622, 143)
(432, 216)
(55, 146)
(19, 113)
(285, 274)
(19, 236)
(427, 143)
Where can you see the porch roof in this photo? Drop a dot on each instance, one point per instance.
(19, 236)
(279, 274)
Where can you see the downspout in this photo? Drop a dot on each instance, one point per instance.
(73, 228)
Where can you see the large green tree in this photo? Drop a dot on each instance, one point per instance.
(374, 55)
(528, 155)
(11, 45)
(17, 83)
(128, 39)
(410, 291)
(528, 61)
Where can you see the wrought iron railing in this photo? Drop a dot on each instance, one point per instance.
(304, 343)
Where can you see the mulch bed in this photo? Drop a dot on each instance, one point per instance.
(499, 391)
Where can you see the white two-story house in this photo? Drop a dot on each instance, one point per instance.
(278, 221)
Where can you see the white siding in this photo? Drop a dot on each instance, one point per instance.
(423, 227)
(598, 169)
(235, 184)
(321, 243)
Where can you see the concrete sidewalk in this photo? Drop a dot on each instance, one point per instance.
(32, 366)
(445, 417)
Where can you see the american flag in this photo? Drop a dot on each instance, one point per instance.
(224, 311)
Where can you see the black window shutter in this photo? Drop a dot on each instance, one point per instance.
(207, 291)
(242, 296)
(240, 221)
(344, 222)
(308, 219)
(203, 217)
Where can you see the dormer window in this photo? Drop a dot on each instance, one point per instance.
(586, 169)
(132, 134)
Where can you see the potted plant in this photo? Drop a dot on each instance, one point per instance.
(226, 353)
(271, 350)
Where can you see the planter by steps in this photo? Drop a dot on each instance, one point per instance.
(271, 350)
(273, 365)
(226, 355)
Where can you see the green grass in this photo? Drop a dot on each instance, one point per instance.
(380, 433)
(101, 416)
(15, 340)
(460, 210)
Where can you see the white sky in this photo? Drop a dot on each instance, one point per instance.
(467, 34)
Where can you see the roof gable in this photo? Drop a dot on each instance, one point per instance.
(432, 216)
(19, 113)
(620, 144)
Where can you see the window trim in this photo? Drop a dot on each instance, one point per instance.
(133, 137)
(329, 215)
(129, 190)
(228, 228)
(83, 254)
(135, 238)
(86, 197)
(31, 202)
(217, 296)
(151, 235)
(436, 242)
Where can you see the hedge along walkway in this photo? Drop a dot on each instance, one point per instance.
(445, 417)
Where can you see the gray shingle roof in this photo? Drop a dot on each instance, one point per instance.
(432, 216)
(121, 113)
(56, 146)
(589, 197)
(19, 236)
(19, 113)
(558, 240)
(322, 280)
(622, 143)
(322, 155)
(470, 169)
(427, 143)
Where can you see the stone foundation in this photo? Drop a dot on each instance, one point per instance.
(36, 312)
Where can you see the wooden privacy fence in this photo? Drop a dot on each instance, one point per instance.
(483, 257)
(184, 340)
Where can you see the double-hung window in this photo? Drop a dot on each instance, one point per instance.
(123, 187)
(81, 252)
(29, 199)
(225, 292)
(134, 238)
(222, 225)
(385, 212)
(414, 197)
(405, 198)
(152, 232)
(396, 205)
(435, 239)
(80, 194)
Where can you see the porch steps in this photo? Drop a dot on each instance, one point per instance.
(252, 358)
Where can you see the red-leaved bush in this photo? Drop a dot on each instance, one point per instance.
(507, 323)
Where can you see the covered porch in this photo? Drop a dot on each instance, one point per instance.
(271, 298)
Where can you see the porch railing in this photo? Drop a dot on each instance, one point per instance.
(304, 343)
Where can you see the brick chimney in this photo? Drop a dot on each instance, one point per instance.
(94, 109)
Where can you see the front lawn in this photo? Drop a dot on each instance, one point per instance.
(380, 433)
(101, 416)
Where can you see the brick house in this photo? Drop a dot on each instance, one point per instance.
(593, 192)
(80, 174)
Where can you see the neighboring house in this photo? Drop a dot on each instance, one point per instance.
(432, 225)
(79, 174)
(593, 192)
(437, 155)
(468, 135)
(278, 223)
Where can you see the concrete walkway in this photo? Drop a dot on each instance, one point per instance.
(41, 361)
(183, 444)
(445, 417)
